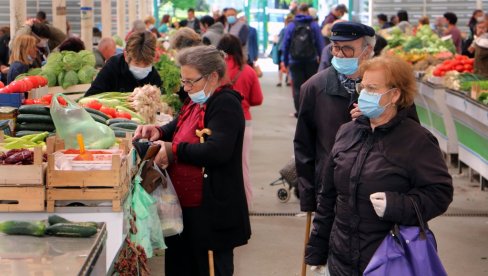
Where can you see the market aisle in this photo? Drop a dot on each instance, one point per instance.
(276, 245)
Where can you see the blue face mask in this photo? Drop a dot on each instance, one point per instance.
(140, 72)
(346, 66)
(199, 97)
(231, 19)
(369, 104)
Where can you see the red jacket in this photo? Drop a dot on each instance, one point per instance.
(247, 84)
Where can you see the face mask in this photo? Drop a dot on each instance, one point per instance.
(480, 19)
(43, 43)
(369, 104)
(231, 19)
(199, 97)
(150, 27)
(346, 66)
(140, 72)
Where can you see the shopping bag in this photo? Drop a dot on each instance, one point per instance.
(72, 119)
(169, 209)
(149, 233)
(407, 251)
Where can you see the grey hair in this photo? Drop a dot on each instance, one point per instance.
(205, 59)
(138, 26)
(185, 37)
(371, 41)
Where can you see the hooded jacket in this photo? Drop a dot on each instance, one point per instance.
(317, 36)
(400, 158)
(214, 33)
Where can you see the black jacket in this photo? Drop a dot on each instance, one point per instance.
(324, 106)
(399, 158)
(116, 77)
(225, 220)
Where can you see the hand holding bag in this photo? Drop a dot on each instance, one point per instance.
(150, 174)
(407, 251)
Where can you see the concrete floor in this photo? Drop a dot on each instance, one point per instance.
(276, 245)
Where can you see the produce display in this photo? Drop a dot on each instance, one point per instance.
(23, 84)
(29, 139)
(17, 157)
(460, 63)
(170, 74)
(55, 226)
(69, 68)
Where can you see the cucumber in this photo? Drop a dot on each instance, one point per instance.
(130, 126)
(23, 133)
(98, 118)
(30, 228)
(118, 120)
(35, 127)
(97, 112)
(34, 109)
(55, 219)
(75, 230)
(34, 118)
(120, 133)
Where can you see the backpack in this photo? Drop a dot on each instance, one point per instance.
(302, 44)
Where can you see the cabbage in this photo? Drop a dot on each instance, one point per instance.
(118, 40)
(87, 58)
(50, 76)
(71, 61)
(86, 74)
(61, 77)
(70, 78)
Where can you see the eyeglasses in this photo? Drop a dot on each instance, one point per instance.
(347, 51)
(370, 91)
(190, 83)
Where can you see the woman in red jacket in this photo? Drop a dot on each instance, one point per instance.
(244, 80)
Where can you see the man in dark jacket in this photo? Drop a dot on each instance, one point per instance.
(301, 67)
(133, 68)
(325, 104)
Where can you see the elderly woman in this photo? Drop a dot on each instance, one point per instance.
(377, 162)
(207, 176)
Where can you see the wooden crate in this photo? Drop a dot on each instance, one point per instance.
(26, 199)
(115, 195)
(18, 175)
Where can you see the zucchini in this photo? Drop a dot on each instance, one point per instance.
(35, 127)
(118, 120)
(120, 133)
(34, 118)
(34, 109)
(75, 230)
(55, 219)
(98, 118)
(30, 228)
(97, 112)
(129, 126)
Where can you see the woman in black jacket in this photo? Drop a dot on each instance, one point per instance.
(376, 162)
(207, 174)
(133, 68)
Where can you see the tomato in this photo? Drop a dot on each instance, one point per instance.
(47, 98)
(109, 111)
(122, 114)
(94, 105)
(468, 66)
(28, 101)
(2, 85)
(470, 61)
(33, 81)
(459, 68)
(41, 81)
(39, 101)
(437, 72)
(18, 86)
(61, 100)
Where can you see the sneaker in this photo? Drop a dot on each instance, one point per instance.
(288, 84)
(278, 84)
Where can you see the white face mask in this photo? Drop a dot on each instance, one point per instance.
(150, 27)
(43, 43)
(140, 72)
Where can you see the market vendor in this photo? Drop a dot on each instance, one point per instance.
(133, 68)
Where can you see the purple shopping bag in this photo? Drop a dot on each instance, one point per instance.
(407, 251)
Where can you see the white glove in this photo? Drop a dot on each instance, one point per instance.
(379, 203)
(318, 270)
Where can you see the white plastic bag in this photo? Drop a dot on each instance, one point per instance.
(169, 209)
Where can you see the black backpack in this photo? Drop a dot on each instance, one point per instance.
(302, 42)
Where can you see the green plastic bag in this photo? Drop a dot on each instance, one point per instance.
(149, 232)
(73, 119)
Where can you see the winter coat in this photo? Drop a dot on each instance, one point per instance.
(115, 76)
(224, 223)
(290, 28)
(399, 158)
(324, 106)
(214, 34)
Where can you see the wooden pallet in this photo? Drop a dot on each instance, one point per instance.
(22, 199)
(18, 175)
(115, 195)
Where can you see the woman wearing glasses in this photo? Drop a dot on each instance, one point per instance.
(206, 170)
(377, 162)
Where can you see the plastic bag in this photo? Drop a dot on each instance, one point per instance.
(149, 233)
(73, 119)
(169, 209)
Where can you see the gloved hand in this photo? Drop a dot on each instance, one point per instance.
(379, 203)
(318, 270)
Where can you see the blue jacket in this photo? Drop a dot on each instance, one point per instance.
(318, 40)
(252, 44)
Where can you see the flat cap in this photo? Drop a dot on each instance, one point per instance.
(347, 31)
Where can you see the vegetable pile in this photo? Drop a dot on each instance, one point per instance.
(460, 64)
(69, 68)
(170, 74)
(17, 157)
(23, 84)
(29, 139)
